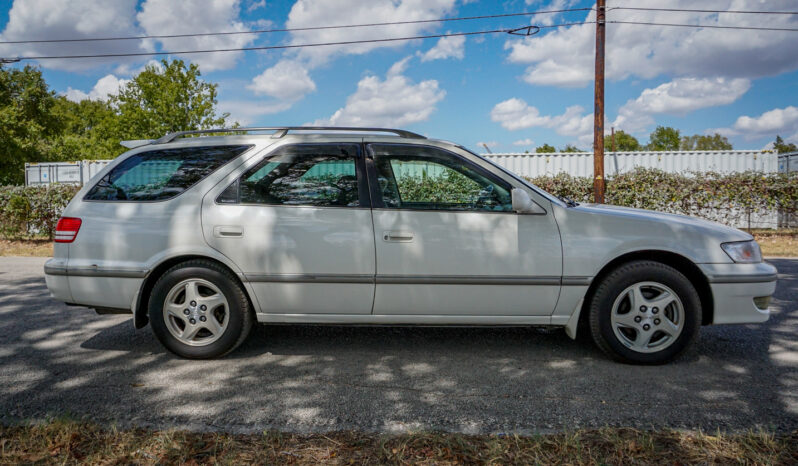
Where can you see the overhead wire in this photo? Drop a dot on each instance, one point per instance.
(291, 46)
(298, 29)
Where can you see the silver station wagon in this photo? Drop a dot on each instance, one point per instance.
(203, 236)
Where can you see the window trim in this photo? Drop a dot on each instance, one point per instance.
(376, 193)
(248, 147)
(364, 197)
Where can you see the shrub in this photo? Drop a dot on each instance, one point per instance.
(26, 210)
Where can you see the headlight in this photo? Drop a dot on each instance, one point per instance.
(746, 252)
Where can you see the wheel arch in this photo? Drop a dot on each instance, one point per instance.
(140, 318)
(677, 261)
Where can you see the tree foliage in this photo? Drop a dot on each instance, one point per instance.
(36, 125)
(705, 142)
(166, 98)
(782, 147)
(571, 148)
(26, 120)
(664, 138)
(545, 149)
(623, 142)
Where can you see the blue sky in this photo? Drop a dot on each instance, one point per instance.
(510, 92)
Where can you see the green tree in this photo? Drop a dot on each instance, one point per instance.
(623, 142)
(545, 148)
(26, 121)
(164, 99)
(705, 142)
(664, 138)
(570, 148)
(782, 147)
(90, 130)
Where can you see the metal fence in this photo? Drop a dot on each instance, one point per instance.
(788, 162)
(79, 173)
(581, 163)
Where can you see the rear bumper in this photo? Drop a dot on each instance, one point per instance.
(93, 286)
(734, 287)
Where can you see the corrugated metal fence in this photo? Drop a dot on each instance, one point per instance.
(581, 163)
(80, 172)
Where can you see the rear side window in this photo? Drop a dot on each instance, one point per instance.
(161, 174)
(318, 175)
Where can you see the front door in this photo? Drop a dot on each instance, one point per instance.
(298, 224)
(449, 243)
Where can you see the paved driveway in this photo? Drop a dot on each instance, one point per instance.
(55, 360)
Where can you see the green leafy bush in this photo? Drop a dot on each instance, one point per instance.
(27, 210)
(718, 197)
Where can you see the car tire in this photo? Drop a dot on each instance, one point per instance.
(645, 312)
(198, 310)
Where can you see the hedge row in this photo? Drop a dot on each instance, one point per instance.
(718, 197)
(28, 210)
(35, 210)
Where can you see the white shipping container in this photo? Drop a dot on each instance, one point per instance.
(581, 163)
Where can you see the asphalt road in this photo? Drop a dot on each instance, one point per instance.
(57, 360)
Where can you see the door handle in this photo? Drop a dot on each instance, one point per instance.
(397, 236)
(226, 231)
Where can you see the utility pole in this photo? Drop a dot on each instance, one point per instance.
(598, 110)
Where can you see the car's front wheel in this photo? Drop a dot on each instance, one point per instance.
(645, 312)
(198, 310)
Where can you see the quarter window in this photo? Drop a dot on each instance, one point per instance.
(427, 178)
(161, 174)
(301, 175)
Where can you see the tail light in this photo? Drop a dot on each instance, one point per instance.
(67, 229)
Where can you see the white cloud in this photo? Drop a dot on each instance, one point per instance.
(106, 85)
(71, 19)
(781, 121)
(255, 5)
(447, 47)
(393, 101)
(564, 57)
(516, 114)
(524, 142)
(679, 97)
(160, 17)
(288, 81)
(246, 112)
(306, 13)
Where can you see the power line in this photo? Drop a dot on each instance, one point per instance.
(710, 26)
(293, 46)
(689, 10)
(309, 28)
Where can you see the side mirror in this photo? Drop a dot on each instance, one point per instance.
(523, 204)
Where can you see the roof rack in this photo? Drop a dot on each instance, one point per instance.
(280, 131)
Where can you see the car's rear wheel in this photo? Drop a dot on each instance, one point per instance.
(198, 310)
(645, 312)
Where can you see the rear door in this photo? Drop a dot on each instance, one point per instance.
(449, 243)
(298, 223)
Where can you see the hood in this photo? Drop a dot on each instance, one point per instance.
(717, 230)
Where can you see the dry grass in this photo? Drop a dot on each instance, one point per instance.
(28, 247)
(70, 442)
(777, 243)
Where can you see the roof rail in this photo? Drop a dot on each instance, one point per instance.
(280, 131)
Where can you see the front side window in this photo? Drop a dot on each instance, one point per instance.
(427, 178)
(161, 174)
(320, 175)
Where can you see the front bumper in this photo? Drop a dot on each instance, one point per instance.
(734, 287)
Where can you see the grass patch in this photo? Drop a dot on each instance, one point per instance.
(29, 247)
(71, 442)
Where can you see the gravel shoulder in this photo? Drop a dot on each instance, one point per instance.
(60, 360)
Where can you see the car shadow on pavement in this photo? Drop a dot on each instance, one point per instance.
(59, 359)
